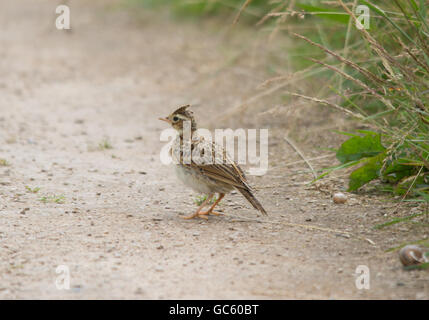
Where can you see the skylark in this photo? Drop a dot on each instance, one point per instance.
(205, 166)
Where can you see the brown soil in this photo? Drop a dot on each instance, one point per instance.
(117, 226)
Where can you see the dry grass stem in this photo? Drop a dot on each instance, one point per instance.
(302, 161)
(310, 227)
(357, 81)
(327, 103)
(298, 151)
(243, 7)
(363, 71)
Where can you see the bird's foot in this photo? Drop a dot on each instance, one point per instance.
(211, 212)
(195, 215)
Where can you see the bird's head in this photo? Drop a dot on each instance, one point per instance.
(179, 117)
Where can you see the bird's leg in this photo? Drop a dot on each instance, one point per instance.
(210, 211)
(198, 213)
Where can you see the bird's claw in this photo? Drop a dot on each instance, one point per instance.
(199, 215)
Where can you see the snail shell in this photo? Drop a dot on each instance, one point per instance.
(339, 197)
(412, 255)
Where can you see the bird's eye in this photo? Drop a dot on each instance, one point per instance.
(175, 118)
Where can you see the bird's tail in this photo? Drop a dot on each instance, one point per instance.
(252, 199)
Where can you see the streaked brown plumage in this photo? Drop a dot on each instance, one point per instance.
(206, 172)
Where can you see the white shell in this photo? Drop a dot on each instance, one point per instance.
(339, 197)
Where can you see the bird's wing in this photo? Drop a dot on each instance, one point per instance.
(222, 168)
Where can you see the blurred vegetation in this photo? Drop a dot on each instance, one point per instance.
(377, 76)
(204, 8)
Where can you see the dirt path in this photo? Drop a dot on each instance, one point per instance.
(62, 94)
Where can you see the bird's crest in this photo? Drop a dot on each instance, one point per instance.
(184, 111)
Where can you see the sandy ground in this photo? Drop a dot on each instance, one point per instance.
(116, 225)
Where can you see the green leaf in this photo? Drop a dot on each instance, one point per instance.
(326, 13)
(360, 147)
(424, 195)
(346, 133)
(366, 173)
(423, 242)
(396, 170)
(422, 266)
(403, 186)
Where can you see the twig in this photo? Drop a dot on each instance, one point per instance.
(301, 155)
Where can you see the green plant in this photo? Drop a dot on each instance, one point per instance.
(200, 199)
(399, 220)
(32, 190)
(59, 199)
(387, 91)
(4, 163)
(105, 145)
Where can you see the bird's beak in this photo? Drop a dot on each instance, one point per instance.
(165, 119)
